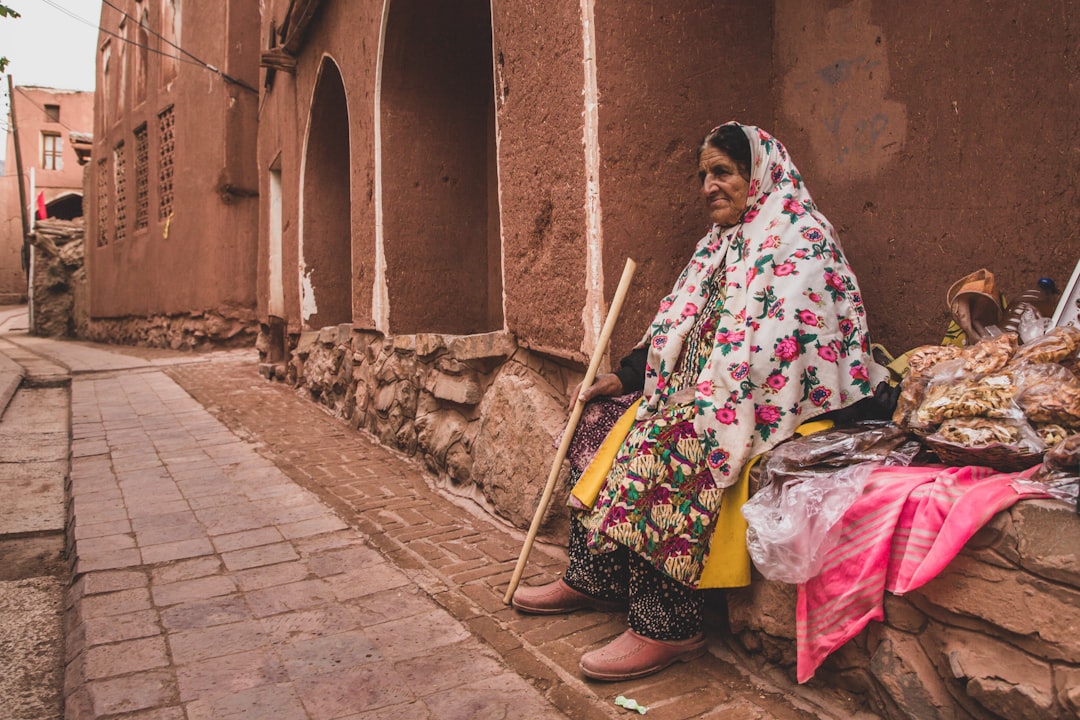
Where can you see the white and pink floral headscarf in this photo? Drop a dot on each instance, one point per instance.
(791, 339)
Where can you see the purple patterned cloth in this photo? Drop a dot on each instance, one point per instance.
(597, 419)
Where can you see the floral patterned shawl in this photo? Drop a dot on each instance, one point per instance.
(791, 340)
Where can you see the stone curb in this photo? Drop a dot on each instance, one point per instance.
(11, 376)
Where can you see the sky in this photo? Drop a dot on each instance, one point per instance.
(53, 43)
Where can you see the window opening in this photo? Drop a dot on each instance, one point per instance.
(166, 150)
(52, 151)
(52, 113)
(105, 83)
(170, 26)
(142, 59)
(103, 203)
(121, 91)
(142, 178)
(120, 180)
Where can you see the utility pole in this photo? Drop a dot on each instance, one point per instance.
(27, 261)
(19, 170)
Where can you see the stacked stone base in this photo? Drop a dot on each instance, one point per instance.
(186, 331)
(482, 414)
(996, 635)
(59, 278)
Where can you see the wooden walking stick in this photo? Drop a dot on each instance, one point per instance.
(571, 425)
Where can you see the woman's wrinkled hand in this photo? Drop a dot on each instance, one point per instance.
(607, 384)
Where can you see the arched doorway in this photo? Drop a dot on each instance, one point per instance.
(440, 210)
(65, 207)
(326, 284)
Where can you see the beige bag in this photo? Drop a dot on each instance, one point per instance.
(975, 304)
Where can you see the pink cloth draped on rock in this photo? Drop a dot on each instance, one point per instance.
(909, 523)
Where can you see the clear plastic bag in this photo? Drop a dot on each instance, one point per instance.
(1032, 325)
(1058, 345)
(1048, 393)
(807, 486)
(1060, 470)
(791, 526)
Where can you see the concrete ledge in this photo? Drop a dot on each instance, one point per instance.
(11, 377)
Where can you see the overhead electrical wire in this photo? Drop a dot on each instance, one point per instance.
(194, 59)
(190, 59)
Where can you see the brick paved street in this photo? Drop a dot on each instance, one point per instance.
(239, 553)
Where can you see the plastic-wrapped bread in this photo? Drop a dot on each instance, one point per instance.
(988, 396)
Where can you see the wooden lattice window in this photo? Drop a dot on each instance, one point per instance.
(166, 150)
(103, 203)
(120, 179)
(142, 178)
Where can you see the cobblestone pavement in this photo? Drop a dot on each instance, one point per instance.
(239, 553)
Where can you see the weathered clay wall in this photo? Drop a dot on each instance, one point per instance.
(667, 74)
(933, 151)
(196, 260)
(346, 35)
(13, 279)
(76, 113)
(996, 635)
(539, 87)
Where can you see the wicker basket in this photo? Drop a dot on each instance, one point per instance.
(1006, 458)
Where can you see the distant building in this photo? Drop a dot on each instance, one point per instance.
(52, 176)
(173, 212)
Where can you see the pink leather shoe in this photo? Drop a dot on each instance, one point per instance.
(558, 597)
(631, 656)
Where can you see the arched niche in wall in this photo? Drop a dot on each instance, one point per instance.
(440, 210)
(326, 281)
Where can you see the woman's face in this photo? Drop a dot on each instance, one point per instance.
(723, 187)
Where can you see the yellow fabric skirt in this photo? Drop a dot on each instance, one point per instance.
(728, 563)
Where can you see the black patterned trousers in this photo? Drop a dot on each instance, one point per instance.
(660, 608)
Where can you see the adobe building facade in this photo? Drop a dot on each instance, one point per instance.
(170, 241)
(46, 118)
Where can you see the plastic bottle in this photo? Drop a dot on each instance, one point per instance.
(1040, 300)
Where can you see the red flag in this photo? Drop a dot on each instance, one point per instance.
(42, 213)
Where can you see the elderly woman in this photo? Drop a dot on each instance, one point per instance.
(764, 330)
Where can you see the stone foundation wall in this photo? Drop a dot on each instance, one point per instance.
(187, 331)
(480, 412)
(996, 635)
